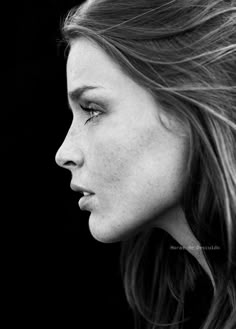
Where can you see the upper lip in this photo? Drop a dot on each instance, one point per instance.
(80, 189)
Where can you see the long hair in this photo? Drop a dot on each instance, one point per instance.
(184, 53)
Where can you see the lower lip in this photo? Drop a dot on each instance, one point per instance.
(85, 201)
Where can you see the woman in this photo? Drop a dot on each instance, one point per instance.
(152, 146)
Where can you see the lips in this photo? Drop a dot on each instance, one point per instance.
(78, 188)
(85, 203)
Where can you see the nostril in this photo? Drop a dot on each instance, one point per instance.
(69, 164)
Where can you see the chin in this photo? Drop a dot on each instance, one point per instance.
(105, 233)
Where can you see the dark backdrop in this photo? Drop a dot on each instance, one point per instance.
(61, 274)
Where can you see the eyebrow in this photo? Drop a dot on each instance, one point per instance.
(75, 95)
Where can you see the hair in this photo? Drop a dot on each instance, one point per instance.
(184, 53)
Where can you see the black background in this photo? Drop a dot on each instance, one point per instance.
(61, 275)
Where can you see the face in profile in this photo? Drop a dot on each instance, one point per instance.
(116, 147)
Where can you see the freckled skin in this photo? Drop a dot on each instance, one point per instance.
(126, 156)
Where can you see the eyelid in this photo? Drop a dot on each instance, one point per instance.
(91, 107)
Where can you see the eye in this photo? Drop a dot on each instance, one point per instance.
(92, 111)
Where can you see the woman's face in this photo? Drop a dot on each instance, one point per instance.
(119, 150)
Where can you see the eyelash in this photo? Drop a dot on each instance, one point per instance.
(90, 109)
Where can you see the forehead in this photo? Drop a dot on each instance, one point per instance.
(89, 64)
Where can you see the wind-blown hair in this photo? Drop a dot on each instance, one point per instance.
(184, 53)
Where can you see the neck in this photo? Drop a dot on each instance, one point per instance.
(174, 222)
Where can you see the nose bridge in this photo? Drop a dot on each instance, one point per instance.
(70, 155)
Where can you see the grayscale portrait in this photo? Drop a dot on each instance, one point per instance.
(151, 148)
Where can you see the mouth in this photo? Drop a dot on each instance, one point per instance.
(81, 189)
(85, 202)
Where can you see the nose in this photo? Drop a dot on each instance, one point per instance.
(69, 155)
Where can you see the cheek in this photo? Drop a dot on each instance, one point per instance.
(139, 163)
(110, 161)
(118, 156)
